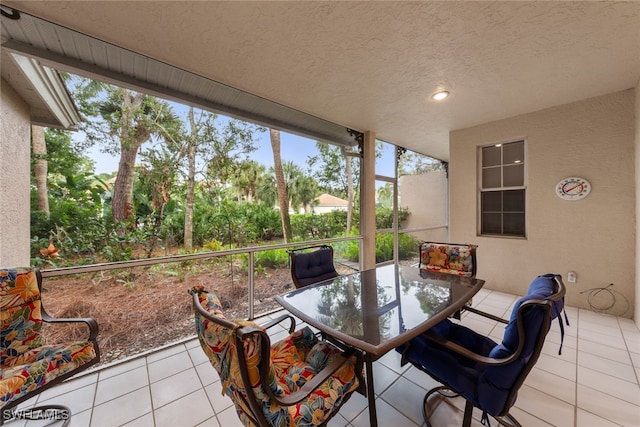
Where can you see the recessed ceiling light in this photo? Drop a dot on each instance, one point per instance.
(439, 96)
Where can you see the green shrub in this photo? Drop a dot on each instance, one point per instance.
(349, 250)
(275, 258)
(384, 247)
(384, 217)
(213, 246)
(262, 221)
(407, 247)
(314, 226)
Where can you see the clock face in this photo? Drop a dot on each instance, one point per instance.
(573, 188)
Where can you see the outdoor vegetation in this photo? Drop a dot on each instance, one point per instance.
(187, 182)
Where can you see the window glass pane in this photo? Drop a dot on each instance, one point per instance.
(384, 247)
(491, 201)
(491, 178)
(513, 224)
(513, 153)
(513, 175)
(491, 223)
(513, 201)
(502, 210)
(384, 205)
(491, 156)
(385, 159)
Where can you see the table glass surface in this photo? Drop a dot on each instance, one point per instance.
(372, 309)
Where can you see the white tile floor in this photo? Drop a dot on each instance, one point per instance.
(593, 383)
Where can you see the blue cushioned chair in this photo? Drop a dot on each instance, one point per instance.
(308, 267)
(487, 374)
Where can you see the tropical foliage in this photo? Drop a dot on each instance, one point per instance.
(186, 180)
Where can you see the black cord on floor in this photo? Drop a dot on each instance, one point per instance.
(608, 290)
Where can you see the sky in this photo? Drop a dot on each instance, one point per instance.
(292, 148)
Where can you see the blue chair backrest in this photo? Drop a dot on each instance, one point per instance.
(313, 267)
(498, 385)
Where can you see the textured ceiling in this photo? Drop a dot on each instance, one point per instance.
(374, 65)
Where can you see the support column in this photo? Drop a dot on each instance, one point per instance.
(368, 201)
(15, 158)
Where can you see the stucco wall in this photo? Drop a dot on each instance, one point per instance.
(14, 178)
(595, 237)
(637, 160)
(425, 196)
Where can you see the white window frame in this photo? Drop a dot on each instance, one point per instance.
(502, 188)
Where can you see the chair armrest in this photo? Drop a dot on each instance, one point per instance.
(470, 354)
(89, 321)
(316, 381)
(485, 314)
(281, 319)
(490, 360)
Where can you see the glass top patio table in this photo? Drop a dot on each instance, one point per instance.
(379, 309)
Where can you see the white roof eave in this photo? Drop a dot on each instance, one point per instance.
(49, 86)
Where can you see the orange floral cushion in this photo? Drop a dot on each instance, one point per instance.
(37, 367)
(20, 315)
(293, 362)
(447, 258)
(26, 362)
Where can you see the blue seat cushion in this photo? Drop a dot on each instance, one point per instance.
(486, 387)
(457, 371)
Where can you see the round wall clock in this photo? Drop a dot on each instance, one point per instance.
(573, 188)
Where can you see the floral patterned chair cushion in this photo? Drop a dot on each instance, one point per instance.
(448, 258)
(27, 363)
(292, 362)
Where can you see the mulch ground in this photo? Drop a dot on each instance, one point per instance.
(143, 308)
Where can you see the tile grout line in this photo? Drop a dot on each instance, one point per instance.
(626, 344)
(153, 409)
(95, 396)
(215, 415)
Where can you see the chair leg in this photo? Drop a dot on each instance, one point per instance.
(442, 390)
(468, 409)
(468, 412)
(448, 393)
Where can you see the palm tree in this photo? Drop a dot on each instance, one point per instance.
(281, 185)
(249, 177)
(385, 195)
(301, 188)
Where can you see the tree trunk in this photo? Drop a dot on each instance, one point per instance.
(132, 136)
(39, 148)
(122, 202)
(349, 193)
(188, 213)
(283, 197)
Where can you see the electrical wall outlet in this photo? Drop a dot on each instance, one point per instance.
(572, 277)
